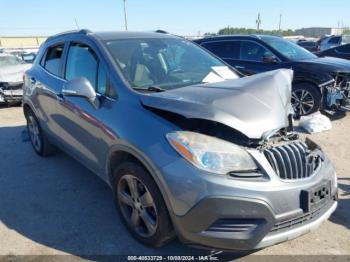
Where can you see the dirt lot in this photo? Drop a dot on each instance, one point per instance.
(56, 206)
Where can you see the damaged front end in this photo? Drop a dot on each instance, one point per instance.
(250, 114)
(11, 92)
(337, 92)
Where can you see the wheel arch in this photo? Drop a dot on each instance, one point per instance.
(309, 82)
(124, 152)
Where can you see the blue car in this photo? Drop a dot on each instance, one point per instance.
(188, 147)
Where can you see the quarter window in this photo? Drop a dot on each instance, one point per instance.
(53, 59)
(252, 51)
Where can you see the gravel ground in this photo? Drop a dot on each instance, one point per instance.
(56, 206)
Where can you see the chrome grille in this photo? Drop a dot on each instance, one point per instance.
(293, 161)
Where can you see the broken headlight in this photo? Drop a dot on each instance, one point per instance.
(211, 154)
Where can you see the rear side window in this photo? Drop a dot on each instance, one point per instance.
(224, 49)
(307, 44)
(83, 62)
(334, 40)
(251, 51)
(53, 59)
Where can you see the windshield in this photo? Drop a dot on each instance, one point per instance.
(289, 49)
(166, 63)
(10, 60)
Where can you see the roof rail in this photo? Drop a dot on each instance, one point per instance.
(161, 31)
(80, 31)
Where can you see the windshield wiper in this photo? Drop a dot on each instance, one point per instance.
(150, 88)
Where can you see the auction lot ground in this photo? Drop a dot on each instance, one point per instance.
(56, 206)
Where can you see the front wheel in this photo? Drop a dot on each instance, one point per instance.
(141, 205)
(306, 99)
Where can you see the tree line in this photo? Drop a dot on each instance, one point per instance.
(250, 31)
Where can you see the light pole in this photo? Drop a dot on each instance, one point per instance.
(258, 22)
(125, 16)
(279, 25)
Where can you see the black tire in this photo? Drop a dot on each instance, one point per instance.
(162, 230)
(306, 99)
(40, 143)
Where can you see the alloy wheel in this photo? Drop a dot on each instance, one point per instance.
(137, 206)
(34, 133)
(302, 102)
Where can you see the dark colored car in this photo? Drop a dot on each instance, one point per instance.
(311, 46)
(187, 146)
(342, 51)
(319, 83)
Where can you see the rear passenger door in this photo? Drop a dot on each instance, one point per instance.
(82, 128)
(227, 50)
(47, 81)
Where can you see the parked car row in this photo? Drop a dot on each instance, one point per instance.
(311, 46)
(318, 83)
(12, 69)
(189, 146)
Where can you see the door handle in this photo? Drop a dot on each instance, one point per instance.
(60, 98)
(239, 67)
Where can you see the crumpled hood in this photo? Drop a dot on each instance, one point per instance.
(13, 74)
(254, 105)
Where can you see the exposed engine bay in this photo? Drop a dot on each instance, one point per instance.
(337, 92)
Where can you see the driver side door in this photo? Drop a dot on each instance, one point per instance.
(81, 123)
(255, 58)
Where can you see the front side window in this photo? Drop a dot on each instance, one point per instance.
(53, 59)
(288, 49)
(307, 44)
(83, 62)
(251, 51)
(166, 63)
(224, 49)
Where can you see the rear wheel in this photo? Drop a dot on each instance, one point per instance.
(40, 143)
(141, 205)
(306, 99)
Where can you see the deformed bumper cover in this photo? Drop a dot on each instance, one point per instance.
(296, 232)
(193, 227)
(10, 94)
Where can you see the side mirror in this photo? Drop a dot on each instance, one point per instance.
(81, 87)
(269, 59)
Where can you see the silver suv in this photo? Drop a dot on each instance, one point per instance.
(188, 147)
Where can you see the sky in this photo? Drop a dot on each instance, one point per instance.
(184, 17)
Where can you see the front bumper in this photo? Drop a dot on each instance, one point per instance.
(244, 224)
(228, 214)
(270, 240)
(11, 95)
